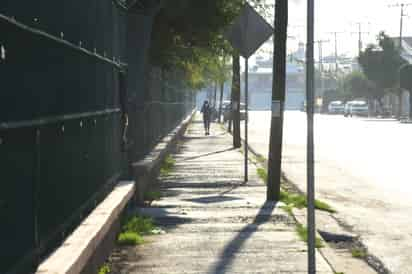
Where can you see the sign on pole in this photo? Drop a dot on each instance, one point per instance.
(247, 33)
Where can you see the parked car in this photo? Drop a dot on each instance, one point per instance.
(227, 111)
(336, 107)
(358, 108)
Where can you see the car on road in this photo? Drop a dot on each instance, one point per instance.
(336, 107)
(356, 108)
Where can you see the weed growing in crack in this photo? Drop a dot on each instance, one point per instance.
(302, 232)
(167, 165)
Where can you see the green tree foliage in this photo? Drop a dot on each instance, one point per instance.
(187, 35)
(356, 85)
(381, 63)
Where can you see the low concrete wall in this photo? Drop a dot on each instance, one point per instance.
(146, 170)
(85, 250)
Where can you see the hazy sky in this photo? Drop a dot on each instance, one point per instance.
(342, 16)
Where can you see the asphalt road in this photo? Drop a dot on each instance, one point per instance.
(363, 169)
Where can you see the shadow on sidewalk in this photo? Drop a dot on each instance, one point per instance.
(231, 249)
(207, 154)
(212, 199)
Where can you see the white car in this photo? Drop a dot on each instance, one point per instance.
(358, 108)
(336, 107)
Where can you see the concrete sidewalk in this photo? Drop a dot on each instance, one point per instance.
(213, 222)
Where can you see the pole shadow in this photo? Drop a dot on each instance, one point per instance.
(207, 154)
(228, 254)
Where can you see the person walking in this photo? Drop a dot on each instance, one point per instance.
(207, 116)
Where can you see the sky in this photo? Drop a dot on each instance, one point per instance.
(343, 16)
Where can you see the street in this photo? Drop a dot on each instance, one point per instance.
(362, 170)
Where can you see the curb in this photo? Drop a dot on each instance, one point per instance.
(89, 245)
(327, 252)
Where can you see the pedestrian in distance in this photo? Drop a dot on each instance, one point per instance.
(207, 116)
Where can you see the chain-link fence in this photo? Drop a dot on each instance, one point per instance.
(72, 74)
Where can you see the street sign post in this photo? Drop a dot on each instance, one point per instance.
(248, 32)
(310, 87)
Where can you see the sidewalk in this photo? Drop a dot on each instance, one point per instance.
(214, 223)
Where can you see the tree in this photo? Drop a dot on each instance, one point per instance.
(187, 35)
(187, 31)
(381, 64)
(356, 85)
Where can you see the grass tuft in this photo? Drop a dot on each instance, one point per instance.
(302, 231)
(129, 238)
(104, 269)
(358, 253)
(260, 159)
(134, 228)
(262, 174)
(140, 225)
(295, 200)
(152, 195)
(300, 201)
(167, 165)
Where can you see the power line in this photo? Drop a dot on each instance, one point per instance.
(320, 44)
(359, 33)
(335, 34)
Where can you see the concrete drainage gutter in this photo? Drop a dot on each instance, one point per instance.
(91, 243)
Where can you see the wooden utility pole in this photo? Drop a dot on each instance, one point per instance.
(402, 6)
(278, 100)
(235, 117)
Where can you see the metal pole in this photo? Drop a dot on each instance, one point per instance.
(310, 85)
(322, 83)
(247, 116)
(336, 53)
(360, 39)
(401, 27)
(36, 188)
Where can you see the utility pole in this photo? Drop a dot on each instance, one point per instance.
(335, 34)
(320, 44)
(310, 86)
(359, 33)
(402, 6)
(278, 100)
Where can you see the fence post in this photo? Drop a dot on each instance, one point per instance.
(36, 183)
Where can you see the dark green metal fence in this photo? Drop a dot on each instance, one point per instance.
(72, 74)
